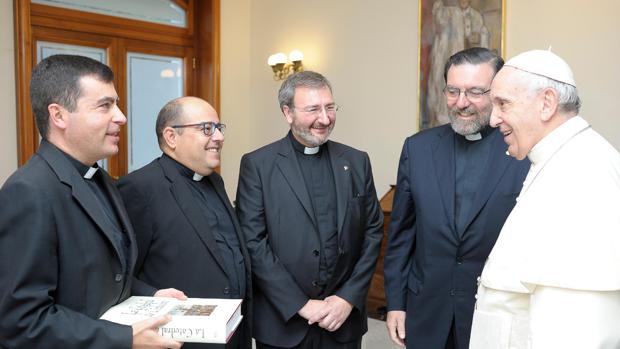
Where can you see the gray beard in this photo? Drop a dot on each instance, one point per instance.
(466, 127)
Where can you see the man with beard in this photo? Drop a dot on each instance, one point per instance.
(312, 223)
(455, 188)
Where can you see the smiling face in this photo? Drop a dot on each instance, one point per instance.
(471, 114)
(91, 131)
(189, 145)
(310, 122)
(516, 112)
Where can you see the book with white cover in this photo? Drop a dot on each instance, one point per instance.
(201, 320)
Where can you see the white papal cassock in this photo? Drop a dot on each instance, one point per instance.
(553, 278)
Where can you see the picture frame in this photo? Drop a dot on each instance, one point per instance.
(446, 27)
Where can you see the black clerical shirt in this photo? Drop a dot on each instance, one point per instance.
(319, 179)
(470, 161)
(221, 226)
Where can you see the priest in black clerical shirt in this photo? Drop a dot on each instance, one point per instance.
(187, 231)
(455, 188)
(313, 226)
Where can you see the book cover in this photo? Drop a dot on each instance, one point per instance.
(200, 320)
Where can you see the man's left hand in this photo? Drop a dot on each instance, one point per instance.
(338, 311)
(171, 293)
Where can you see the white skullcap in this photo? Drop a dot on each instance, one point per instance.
(545, 63)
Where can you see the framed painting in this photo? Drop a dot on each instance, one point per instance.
(446, 27)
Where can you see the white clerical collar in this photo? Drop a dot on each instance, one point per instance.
(311, 151)
(197, 177)
(91, 172)
(474, 137)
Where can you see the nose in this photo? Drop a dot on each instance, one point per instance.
(323, 117)
(495, 120)
(119, 117)
(462, 101)
(218, 135)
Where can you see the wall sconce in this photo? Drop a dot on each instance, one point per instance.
(282, 68)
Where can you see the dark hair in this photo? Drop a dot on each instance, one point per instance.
(475, 56)
(310, 79)
(56, 79)
(168, 115)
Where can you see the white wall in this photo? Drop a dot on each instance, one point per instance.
(8, 130)
(368, 49)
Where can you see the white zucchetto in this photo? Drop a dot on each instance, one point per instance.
(544, 63)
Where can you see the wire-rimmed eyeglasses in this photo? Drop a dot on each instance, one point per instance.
(472, 94)
(207, 127)
(316, 109)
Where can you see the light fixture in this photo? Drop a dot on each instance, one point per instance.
(282, 68)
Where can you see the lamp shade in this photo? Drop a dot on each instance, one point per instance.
(295, 55)
(276, 59)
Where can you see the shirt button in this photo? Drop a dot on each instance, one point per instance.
(226, 290)
(315, 284)
(118, 277)
(459, 260)
(452, 292)
(315, 252)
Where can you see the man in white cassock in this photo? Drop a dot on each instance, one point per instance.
(553, 278)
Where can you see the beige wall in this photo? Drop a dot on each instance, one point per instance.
(585, 34)
(368, 49)
(8, 131)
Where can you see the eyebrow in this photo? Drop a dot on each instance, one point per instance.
(108, 100)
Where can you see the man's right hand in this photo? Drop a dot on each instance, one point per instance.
(395, 323)
(314, 311)
(146, 336)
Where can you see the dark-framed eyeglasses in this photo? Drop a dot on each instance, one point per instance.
(330, 109)
(207, 127)
(472, 94)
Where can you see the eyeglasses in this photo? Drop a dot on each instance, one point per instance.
(207, 127)
(330, 109)
(472, 94)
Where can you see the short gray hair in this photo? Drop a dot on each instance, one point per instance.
(309, 79)
(568, 97)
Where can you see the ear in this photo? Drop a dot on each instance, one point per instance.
(288, 114)
(549, 104)
(57, 117)
(170, 137)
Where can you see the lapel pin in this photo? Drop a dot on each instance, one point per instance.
(346, 167)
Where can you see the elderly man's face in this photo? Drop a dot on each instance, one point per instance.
(312, 119)
(515, 112)
(194, 149)
(469, 114)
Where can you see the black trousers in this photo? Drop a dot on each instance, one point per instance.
(317, 338)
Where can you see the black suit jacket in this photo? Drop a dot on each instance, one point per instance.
(277, 218)
(175, 245)
(59, 270)
(430, 268)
